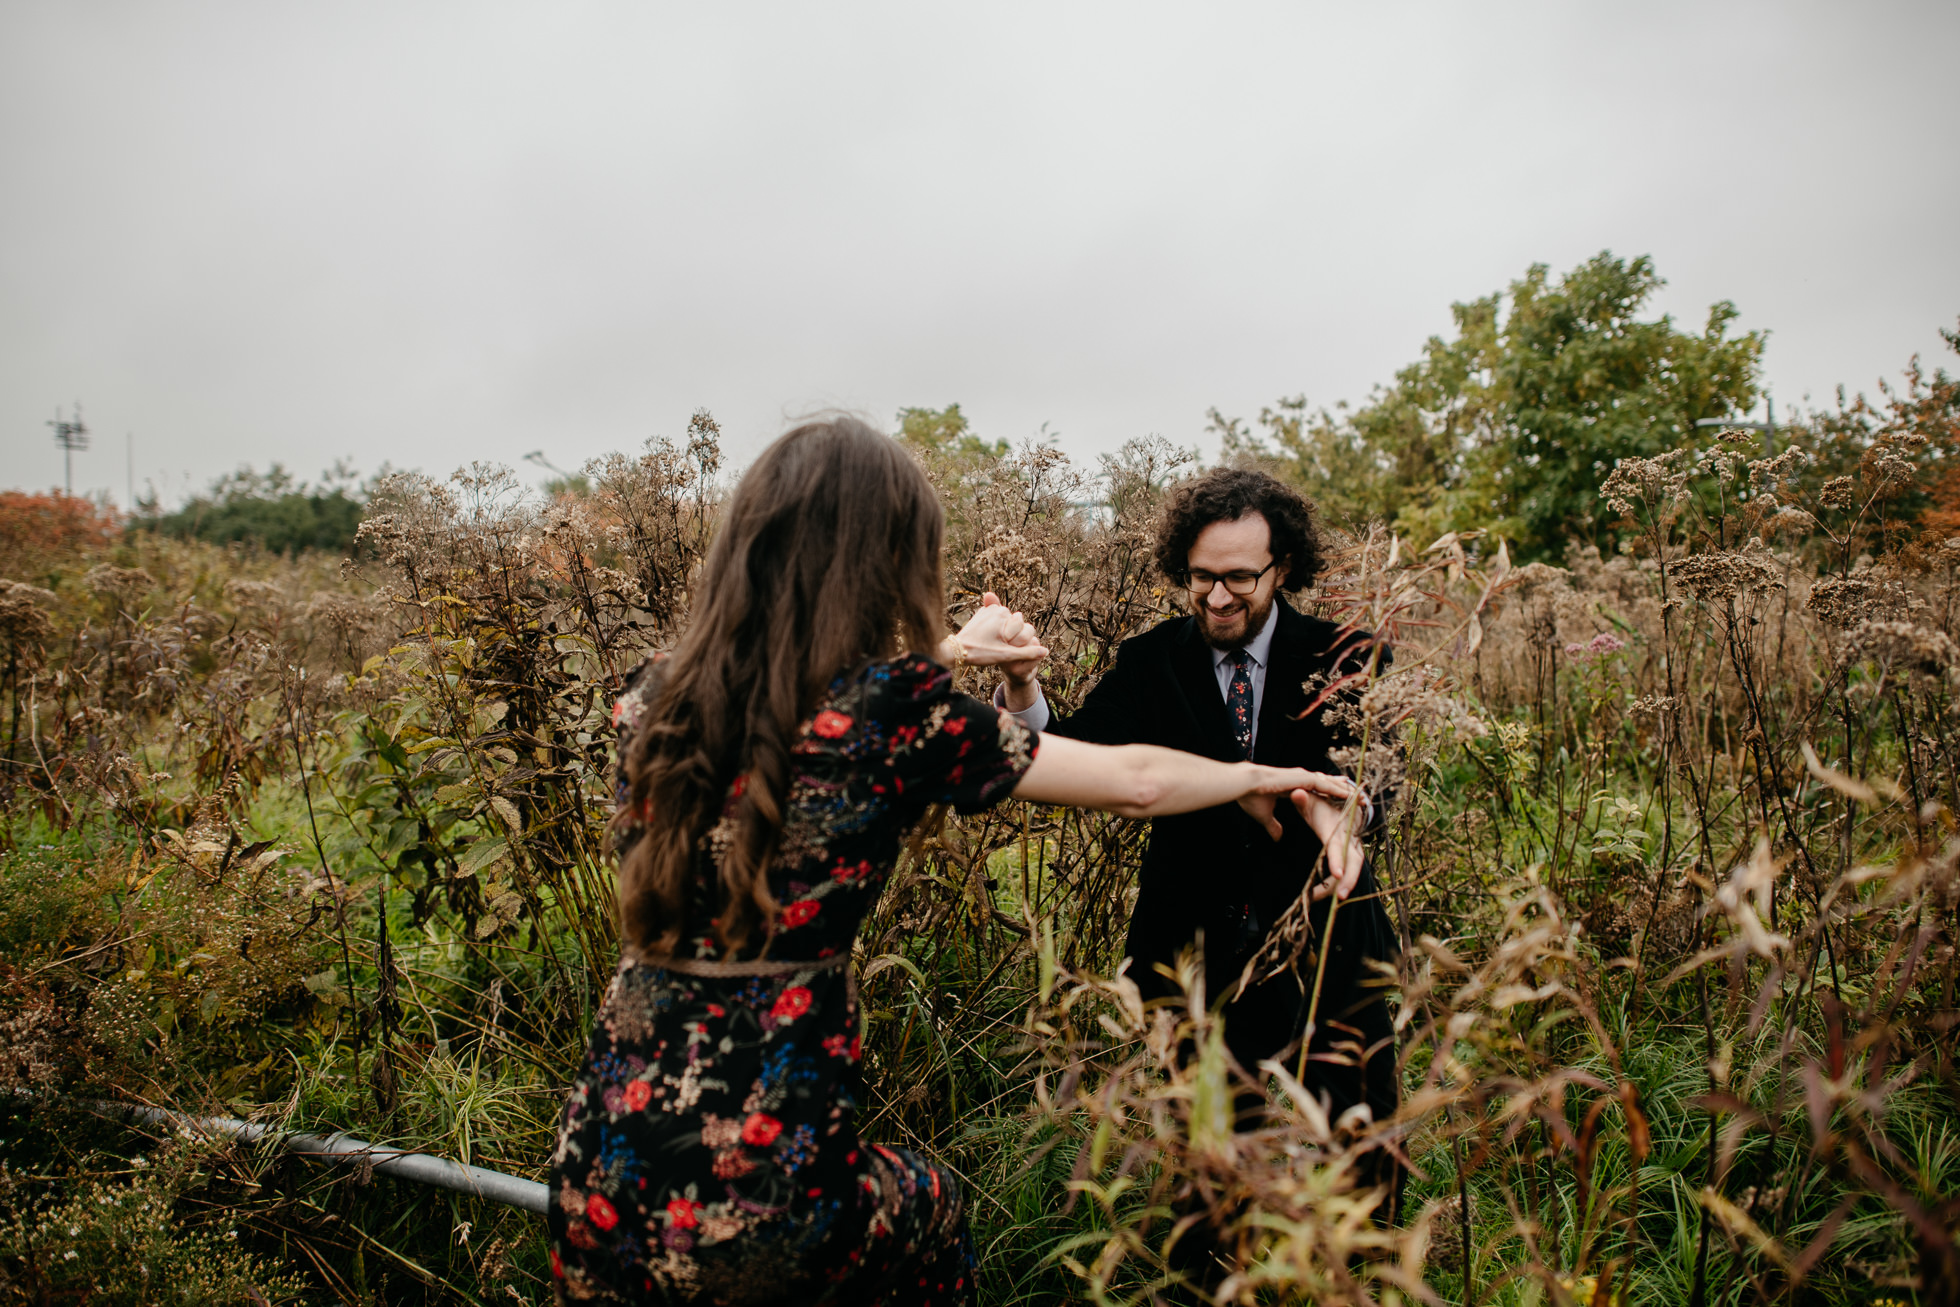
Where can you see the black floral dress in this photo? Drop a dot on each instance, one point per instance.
(709, 1149)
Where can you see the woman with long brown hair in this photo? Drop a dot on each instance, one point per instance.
(771, 768)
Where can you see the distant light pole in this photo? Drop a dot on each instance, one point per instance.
(71, 436)
(1767, 428)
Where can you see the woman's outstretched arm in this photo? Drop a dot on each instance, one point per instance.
(1143, 780)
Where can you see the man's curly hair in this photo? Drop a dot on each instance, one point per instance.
(1227, 494)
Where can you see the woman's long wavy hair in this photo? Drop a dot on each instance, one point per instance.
(827, 558)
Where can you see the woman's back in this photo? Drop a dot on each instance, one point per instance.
(709, 1149)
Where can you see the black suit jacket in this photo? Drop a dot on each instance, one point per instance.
(1215, 870)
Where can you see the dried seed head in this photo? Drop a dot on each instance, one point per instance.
(1771, 471)
(23, 624)
(125, 584)
(1845, 601)
(1903, 646)
(1724, 463)
(1653, 483)
(1652, 705)
(1892, 470)
(1727, 574)
(1012, 566)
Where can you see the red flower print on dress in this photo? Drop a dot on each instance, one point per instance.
(795, 1001)
(557, 1266)
(955, 725)
(638, 1095)
(681, 1211)
(797, 913)
(741, 783)
(830, 724)
(846, 872)
(760, 1130)
(600, 1212)
(836, 1045)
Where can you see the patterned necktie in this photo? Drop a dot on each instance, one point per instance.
(1238, 700)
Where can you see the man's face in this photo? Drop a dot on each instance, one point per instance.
(1231, 550)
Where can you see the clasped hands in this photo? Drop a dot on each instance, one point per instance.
(996, 636)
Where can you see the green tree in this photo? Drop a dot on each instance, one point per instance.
(1576, 382)
(1322, 451)
(1514, 423)
(269, 508)
(945, 432)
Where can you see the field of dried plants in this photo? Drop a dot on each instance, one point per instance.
(1673, 856)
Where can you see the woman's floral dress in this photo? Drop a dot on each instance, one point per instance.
(709, 1150)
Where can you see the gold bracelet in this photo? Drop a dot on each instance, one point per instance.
(959, 652)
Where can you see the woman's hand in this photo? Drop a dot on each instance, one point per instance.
(995, 636)
(1338, 824)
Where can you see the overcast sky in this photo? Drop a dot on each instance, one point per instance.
(426, 233)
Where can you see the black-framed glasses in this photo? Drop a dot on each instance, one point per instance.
(1239, 584)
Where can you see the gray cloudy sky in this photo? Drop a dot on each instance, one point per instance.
(426, 233)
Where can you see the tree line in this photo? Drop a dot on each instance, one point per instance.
(1511, 424)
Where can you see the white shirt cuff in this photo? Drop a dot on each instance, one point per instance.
(1035, 716)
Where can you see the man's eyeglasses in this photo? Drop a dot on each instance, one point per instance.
(1240, 584)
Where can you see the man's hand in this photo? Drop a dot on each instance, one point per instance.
(1331, 806)
(1337, 822)
(1329, 788)
(1015, 631)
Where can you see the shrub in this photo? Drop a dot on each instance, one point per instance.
(37, 530)
(268, 509)
(126, 1242)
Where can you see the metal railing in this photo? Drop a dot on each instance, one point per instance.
(398, 1162)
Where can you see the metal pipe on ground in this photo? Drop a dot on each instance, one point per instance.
(400, 1163)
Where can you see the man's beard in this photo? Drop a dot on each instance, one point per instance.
(1254, 613)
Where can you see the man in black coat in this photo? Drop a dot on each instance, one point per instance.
(1232, 680)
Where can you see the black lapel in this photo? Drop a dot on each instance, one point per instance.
(1197, 676)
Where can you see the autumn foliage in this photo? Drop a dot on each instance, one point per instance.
(38, 528)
